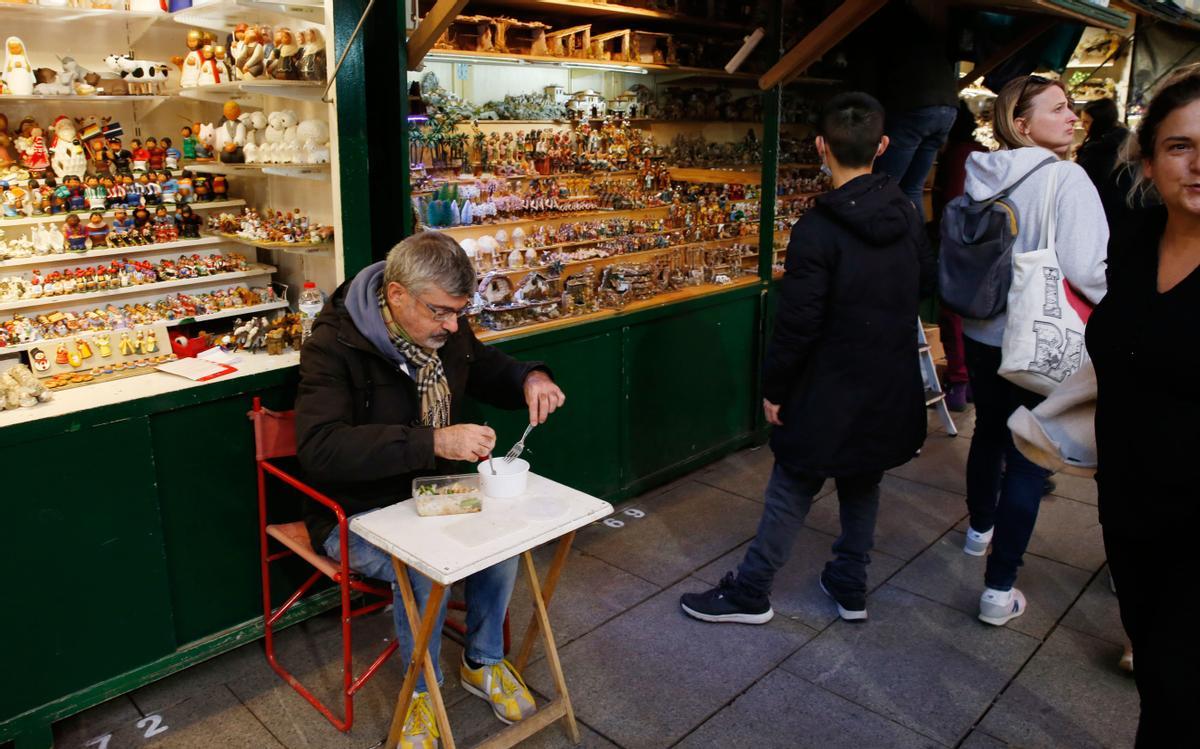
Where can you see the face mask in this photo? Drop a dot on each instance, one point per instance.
(826, 170)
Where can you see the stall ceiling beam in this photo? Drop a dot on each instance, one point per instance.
(431, 27)
(1022, 40)
(837, 26)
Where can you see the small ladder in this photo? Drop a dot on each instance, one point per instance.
(934, 395)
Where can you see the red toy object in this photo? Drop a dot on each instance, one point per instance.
(185, 347)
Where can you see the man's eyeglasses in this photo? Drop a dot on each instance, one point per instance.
(441, 314)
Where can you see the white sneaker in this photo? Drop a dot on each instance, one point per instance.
(999, 607)
(977, 541)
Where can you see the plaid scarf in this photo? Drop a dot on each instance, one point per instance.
(432, 385)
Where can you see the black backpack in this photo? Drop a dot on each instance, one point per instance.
(975, 264)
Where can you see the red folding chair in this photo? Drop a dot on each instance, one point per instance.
(275, 437)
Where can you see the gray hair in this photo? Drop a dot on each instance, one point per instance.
(427, 259)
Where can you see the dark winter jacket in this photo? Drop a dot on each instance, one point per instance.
(357, 435)
(1098, 155)
(842, 361)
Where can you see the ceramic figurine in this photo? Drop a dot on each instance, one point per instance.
(312, 57)
(187, 142)
(171, 155)
(223, 62)
(237, 41)
(142, 76)
(36, 156)
(211, 73)
(95, 194)
(284, 62)
(122, 158)
(250, 62)
(18, 73)
(68, 154)
(189, 66)
(157, 154)
(141, 155)
(103, 346)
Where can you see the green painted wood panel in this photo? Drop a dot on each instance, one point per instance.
(86, 580)
(689, 383)
(581, 443)
(207, 488)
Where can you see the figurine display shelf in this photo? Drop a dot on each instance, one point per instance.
(27, 331)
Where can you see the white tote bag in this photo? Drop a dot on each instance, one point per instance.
(1043, 336)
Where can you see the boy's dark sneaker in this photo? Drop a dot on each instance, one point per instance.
(726, 603)
(852, 608)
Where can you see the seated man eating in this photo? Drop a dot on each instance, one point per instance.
(382, 383)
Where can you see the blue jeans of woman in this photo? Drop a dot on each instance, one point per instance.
(1004, 489)
(488, 592)
(915, 139)
(786, 503)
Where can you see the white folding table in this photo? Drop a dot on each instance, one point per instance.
(450, 548)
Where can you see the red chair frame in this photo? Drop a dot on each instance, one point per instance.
(278, 442)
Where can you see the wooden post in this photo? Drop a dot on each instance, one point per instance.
(552, 575)
(422, 629)
(435, 22)
(837, 26)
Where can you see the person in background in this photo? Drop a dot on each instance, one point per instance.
(383, 379)
(917, 84)
(1142, 340)
(948, 182)
(1033, 122)
(1099, 152)
(841, 382)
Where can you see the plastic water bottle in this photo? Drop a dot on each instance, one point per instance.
(310, 306)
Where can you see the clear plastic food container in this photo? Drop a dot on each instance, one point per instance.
(447, 495)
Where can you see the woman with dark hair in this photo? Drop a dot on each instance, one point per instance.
(1142, 339)
(1099, 151)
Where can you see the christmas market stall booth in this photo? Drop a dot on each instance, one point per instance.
(623, 177)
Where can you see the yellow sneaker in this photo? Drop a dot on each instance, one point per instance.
(502, 687)
(420, 726)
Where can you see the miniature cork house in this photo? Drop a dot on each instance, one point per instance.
(521, 37)
(470, 33)
(611, 45)
(575, 41)
(652, 47)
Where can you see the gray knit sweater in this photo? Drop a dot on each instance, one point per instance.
(1081, 236)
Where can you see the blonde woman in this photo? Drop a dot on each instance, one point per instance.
(1142, 339)
(1035, 126)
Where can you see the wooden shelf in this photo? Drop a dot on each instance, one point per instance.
(238, 90)
(253, 309)
(316, 172)
(222, 15)
(628, 257)
(83, 98)
(618, 12)
(59, 217)
(37, 261)
(274, 245)
(496, 58)
(217, 279)
(556, 219)
(716, 176)
(661, 300)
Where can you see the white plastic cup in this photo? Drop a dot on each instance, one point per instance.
(510, 479)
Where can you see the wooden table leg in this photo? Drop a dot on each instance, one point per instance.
(422, 627)
(548, 636)
(552, 574)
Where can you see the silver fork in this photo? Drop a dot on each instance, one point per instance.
(518, 448)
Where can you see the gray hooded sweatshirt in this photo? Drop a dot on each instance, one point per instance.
(1081, 234)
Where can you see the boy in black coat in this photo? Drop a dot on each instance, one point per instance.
(841, 381)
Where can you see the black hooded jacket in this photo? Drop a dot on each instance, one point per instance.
(842, 361)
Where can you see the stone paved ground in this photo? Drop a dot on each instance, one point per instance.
(923, 672)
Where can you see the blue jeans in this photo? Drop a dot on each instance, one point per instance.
(488, 592)
(1004, 489)
(916, 136)
(787, 500)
